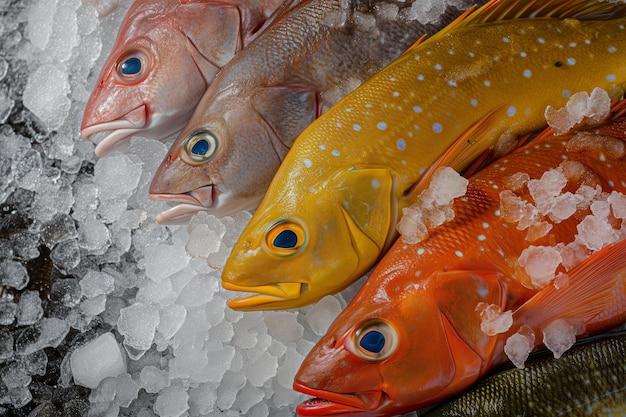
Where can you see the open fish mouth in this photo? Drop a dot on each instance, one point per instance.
(266, 295)
(200, 199)
(120, 129)
(330, 403)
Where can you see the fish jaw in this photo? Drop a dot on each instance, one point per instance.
(120, 129)
(268, 297)
(327, 403)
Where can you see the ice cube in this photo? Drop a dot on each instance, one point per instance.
(66, 255)
(117, 176)
(94, 237)
(98, 359)
(163, 259)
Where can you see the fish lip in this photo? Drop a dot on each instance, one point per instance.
(200, 199)
(124, 127)
(265, 295)
(333, 403)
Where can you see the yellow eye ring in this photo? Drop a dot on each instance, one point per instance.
(199, 147)
(374, 340)
(285, 237)
(133, 66)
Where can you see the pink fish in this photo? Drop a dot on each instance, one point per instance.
(165, 56)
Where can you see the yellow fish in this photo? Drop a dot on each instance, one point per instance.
(331, 210)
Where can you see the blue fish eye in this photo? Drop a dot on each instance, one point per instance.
(286, 239)
(200, 147)
(373, 341)
(131, 66)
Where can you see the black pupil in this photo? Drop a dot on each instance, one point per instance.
(373, 341)
(286, 239)
(131, 66)
(200, 147)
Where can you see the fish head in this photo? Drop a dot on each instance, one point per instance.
(398, 346)
(162, 61)
(225, 158)
(222, 162)
(307, 241)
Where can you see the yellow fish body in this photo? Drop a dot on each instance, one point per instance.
(330, 212)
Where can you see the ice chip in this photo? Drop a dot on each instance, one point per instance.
(284, 326)
(94, 237)
(153, 379)
(172, 401)
(164, 259)
(289, 367)
(262, 369)
(519, 345)
(137, 323)
(29, 308)
(66, 255)
(116, 176)
(595, 232)
(96, 283)
(13, 274)
(493, 320)
(560, 335)
(98, 359)
(411, 227)
(49, 332)
(539, 263)
(321, 315)
(46, 95)
(618, 204)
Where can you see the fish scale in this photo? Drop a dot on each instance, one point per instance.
(588, 380)
(352, 171)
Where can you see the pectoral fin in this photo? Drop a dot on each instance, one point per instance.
(471, 144)
(594, 285)
(366, 198)
(287, 110)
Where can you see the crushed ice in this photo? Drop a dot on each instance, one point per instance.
(433, 206)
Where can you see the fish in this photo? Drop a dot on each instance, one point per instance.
(330, 212)
(436, 315)
(589, 379)
(309, 57)
(165, 55)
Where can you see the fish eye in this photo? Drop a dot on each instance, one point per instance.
(133, 66)
(285, 237)
(374, 340)
(199, 147)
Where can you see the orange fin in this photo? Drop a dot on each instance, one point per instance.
(471, 144)
(591, 289)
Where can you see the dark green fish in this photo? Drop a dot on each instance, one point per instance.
(589, 380)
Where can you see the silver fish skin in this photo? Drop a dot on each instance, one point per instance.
(588, 380)
(304, 62)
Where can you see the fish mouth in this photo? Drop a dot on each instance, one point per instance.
(200, 199)
(327, 403)
(266, 296)
(121, 129)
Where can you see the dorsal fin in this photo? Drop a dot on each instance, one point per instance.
(499, 10)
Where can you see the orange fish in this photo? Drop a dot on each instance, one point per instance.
(518, 248)
(166, 54)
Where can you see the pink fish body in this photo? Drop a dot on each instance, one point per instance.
(166, 54)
